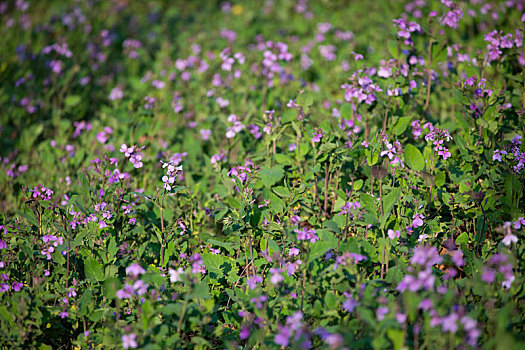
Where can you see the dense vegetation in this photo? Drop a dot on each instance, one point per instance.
(303, 174)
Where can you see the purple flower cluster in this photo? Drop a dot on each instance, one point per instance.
(452, 17)
(361, 88)
(50, 243)
(392, 151)
(273, 55)
(513, 153)
(293, 327)
(498, 263)
(134, 154)
(348, 206)
(242, 172)
(349, 258)
(136, 287)
(499, 41)
(235, 128)
(438, 137)
(172, 172)
(422, 277)
(306, 234)
(405, 29)
(42, 192)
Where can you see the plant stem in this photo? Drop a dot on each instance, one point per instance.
(181, 316)
(429, 72)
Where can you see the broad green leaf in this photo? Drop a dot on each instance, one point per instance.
(213, 263)
(270, 176)
(413, 158)
(201, 290)
(72, 100)
(439, 178)
(346, 111)
(93, 270)
(388, 203)
(318, 249)
(401, 125)
(462, 239)
(282, 192)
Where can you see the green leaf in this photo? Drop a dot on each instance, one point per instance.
(358, 184)
(330, 300)
(270, 176)
(346, 111)
(93, 270)
(276, 204)
(282, 192)
(371, 157)
(283, 159)
(401, 125)
(213, 263)
(233, 202)
(413, 158)
(72, 100)
(112, 248)
(388, 203)
(6, 315)
(462, 239)
(220, 243)
(201, 290)
(394, 275)
(171, 309)
(439, 178)
(111, 271)
(368, 202)
(289, 116)
(396, 336)
(392, 48)
(318, 248)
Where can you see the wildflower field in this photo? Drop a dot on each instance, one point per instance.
(262, 174)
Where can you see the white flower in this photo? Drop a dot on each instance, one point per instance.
(175, 275)
(509, 239)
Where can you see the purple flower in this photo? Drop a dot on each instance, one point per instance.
(222, 102)
(426, 256)
(17, 286)
(306, 235)
(401, 318)
(140, 287)
(349, 304)
(393, 234)
(293, 252)
(258, 301)
(128, 341)
(116, 94)
(450, 323)
(283, 336)
(205, 134)
(245, 333)
(135, 270)
(488, 275)
(175, 275)
(252, 281)
(381, 313)
(426, 304)
(418, 220)
(317, 137)
(509, 239)
(518, 223)
(276, 276)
